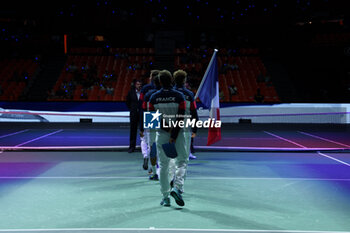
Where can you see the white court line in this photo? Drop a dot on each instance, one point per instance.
(225, 148)
(188, 178)
(8, 135)
(284, 149)
(35, 139)
(324, 139)
(67, 147)
(330, 157)
(168, 229)
(255, 138)
(284, 139)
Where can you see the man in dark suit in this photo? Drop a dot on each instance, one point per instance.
(133, 103)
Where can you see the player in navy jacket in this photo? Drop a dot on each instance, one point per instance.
(180, 77)
(171, 104)
(152, 133)
(144, 135)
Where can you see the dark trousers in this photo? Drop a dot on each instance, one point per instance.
(134, 122)
(192, 148)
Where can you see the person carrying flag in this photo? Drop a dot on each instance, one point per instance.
(180, 77)
(208, 93)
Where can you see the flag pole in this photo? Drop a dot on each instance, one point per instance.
(206, 72)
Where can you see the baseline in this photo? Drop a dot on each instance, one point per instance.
(158, 230)
(189, 178)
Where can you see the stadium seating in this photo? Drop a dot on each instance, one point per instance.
(331, 39)
(119, 62)
(14, 76)
(100, 51)
(244, 76)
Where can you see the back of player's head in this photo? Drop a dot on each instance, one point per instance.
(156, 81)
(180, 77)
(154, 74)
(165, 78)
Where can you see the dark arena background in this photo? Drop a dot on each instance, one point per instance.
(282, 164)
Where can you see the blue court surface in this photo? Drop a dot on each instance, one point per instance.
(270, 179)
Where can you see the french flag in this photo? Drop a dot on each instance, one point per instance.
(208, 93)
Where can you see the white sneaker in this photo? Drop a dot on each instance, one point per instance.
(192, 156)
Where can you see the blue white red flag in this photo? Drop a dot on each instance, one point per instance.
(208, 93)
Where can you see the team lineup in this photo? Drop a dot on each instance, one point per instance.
(166, 95)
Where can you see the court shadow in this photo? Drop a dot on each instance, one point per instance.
(121, 218)
(229, 220)
(107, 186)
(241, 203)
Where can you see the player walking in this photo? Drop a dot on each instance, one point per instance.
(180, 77)
(145, 134)
(152, 133)
(171, 104)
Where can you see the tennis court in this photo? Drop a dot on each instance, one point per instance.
(259, 178)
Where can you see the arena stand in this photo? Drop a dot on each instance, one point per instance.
(330, 39)
(111, 71)
(117, 67)
(14, 77)
(240, 67)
